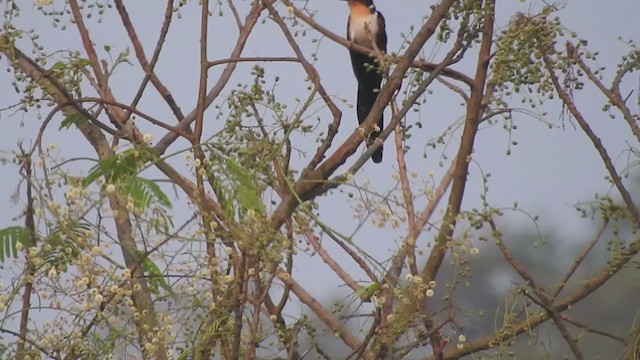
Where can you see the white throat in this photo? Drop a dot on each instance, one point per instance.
(357, 30)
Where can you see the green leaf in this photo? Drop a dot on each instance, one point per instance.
(122, 58)
(158, 194)
(58, 66)
(102, 169)
(71, 119)
(185, 354)
(247, 193)
(62, 243)
(133, 189)
(164, 220)
(84, 62)
(121, 166)
(156, 278)
(9, 238)
(143, 192)
(368, 291)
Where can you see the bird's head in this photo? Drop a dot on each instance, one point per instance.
(367, 3)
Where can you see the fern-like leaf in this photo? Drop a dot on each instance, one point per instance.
(9, 239)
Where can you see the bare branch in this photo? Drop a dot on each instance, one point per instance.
(419, 64)
(243, 36)
(323, 313)
(148, 68)
(612, 94)
(597, 143)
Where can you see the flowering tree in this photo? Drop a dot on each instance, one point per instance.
(129, 250)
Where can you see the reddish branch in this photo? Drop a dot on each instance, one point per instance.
(579, 259)
(132, 110)
(115, 114)
(407, 194)
(418, 64)
(323, 313)
(30, 268)
(474, 111)
(259, 59)
(588, 287)
(541, 298)
(207, 338)
(148, 68)
(613, 93)
(243, 36)
(333, 265)
(595, 140)
(315, 79)
(315, 182)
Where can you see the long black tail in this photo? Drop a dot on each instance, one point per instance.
(368, 89)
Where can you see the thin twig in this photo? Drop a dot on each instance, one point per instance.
(148, 68)
(324, 255)
(612, 94)
(315, 79)
(254, 59)
(592, 330)
(407, 195)
(323, 313)
(30, 267)
(419, 64)
(595, 140)
(579, 259)
(542, 296)
(243, 36)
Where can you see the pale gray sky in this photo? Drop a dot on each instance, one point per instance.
(546, 173)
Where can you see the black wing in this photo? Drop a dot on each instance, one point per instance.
(381, 38)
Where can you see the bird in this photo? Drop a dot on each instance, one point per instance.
(364, 25)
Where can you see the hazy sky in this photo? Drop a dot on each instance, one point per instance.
(548, 172)
(566, 154)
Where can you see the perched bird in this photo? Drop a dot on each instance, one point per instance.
(366, 24)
